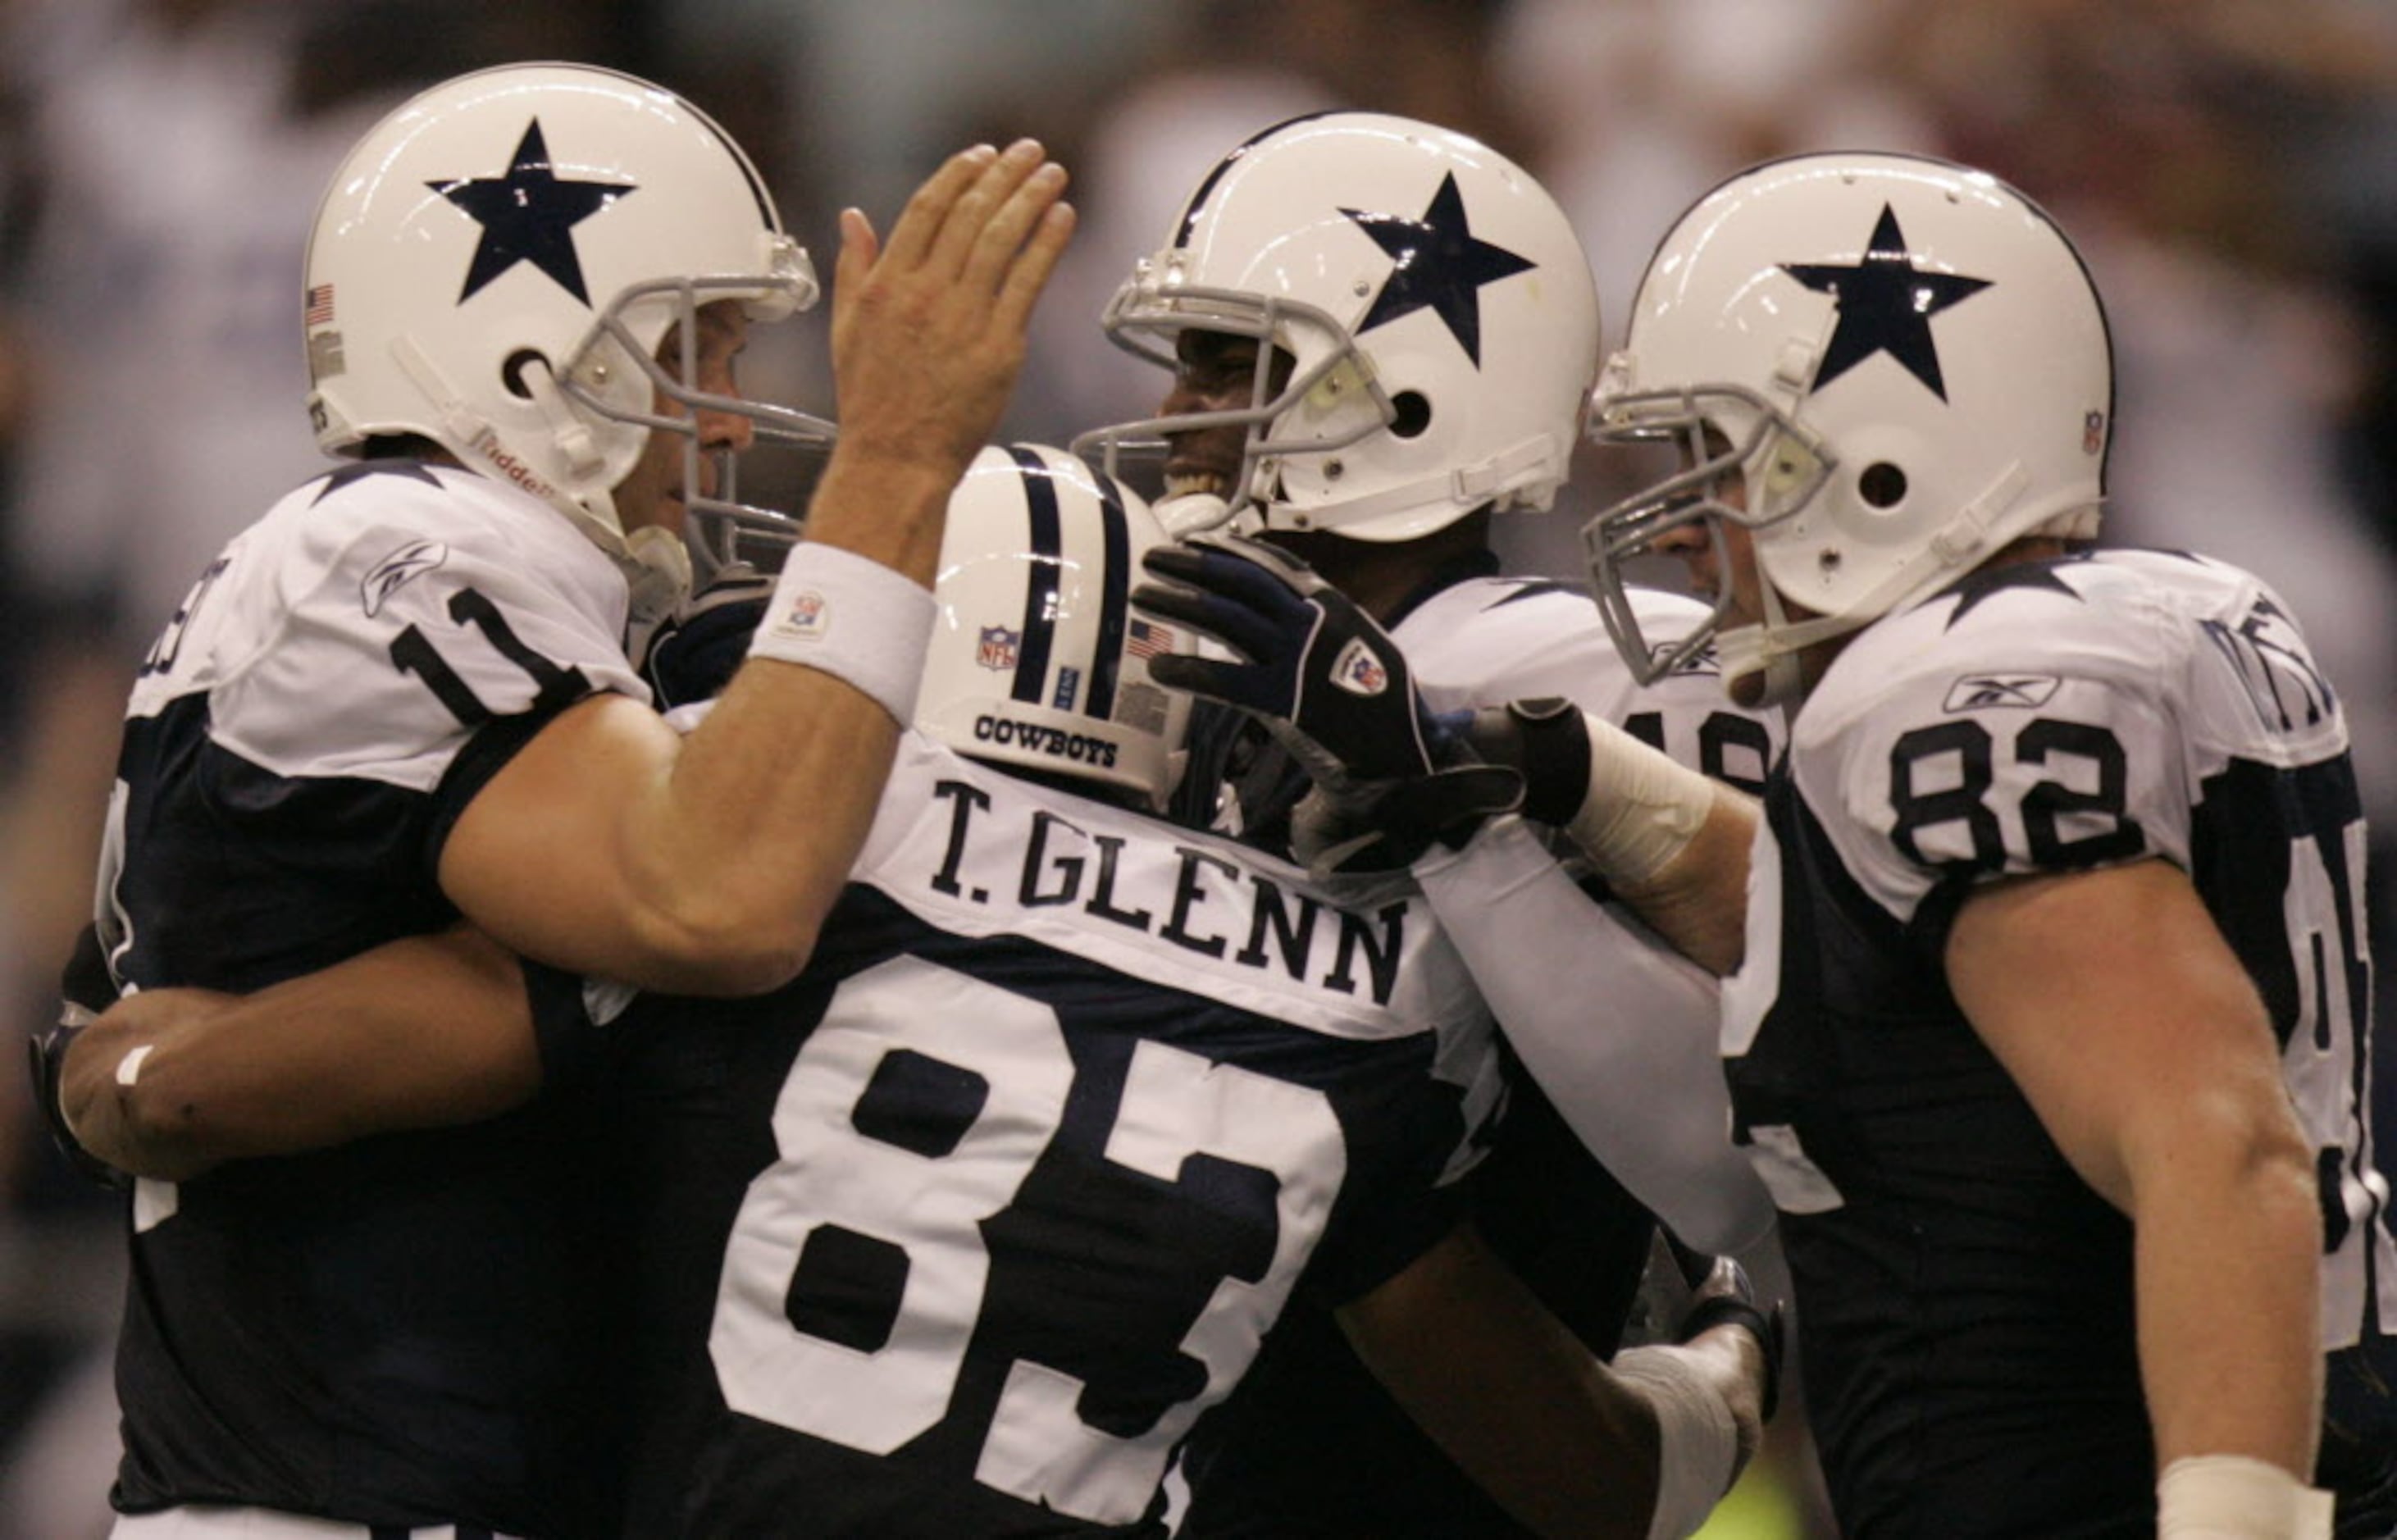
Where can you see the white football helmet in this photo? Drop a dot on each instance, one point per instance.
(1436, 303)
(1036, 659)
(1902, 364)
(495, 264)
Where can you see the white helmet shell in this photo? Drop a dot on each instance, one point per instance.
(496, 263)
(1036, 659)
(1435, 302)
(1902, 363)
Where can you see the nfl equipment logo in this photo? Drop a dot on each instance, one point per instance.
(807, 617)
(1358, 672)
(997, 647)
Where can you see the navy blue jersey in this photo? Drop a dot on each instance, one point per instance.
(381, 1333)
(964, 1231)
(1971, 1358)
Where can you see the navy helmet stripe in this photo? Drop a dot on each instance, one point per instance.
(1115, 601)
(1045, 549)
(1198, 200)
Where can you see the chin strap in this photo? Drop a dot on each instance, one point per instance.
(1497, 481)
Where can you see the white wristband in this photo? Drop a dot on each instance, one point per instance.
(852, 618)
(2234, 1497)
(1697, 1440)
(1642, 809)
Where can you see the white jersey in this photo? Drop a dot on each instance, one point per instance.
(391, 1346)
(1968, 1300)
(324, 702)
(994, 1204)
(1489, 640)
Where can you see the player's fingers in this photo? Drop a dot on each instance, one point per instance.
(966, 220)
(1235, 625)
(1263, 587)
(1287, 569)
(1034, 263)
(919, 227)
(860, 248)
(991, 250)
(1234, 684)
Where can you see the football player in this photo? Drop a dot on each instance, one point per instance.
(2049, 1027)
(1383, 334)
(403, 694)
(966, 1230)
(2053, 1033)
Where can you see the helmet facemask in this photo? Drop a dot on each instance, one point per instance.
(1725, 436)
(1326, 374)
(722, 528)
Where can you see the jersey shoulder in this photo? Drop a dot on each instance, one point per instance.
(384, 610)
(2033, 717)
(1485, 640)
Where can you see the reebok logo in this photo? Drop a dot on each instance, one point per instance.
(389, 575)
(1989, 691)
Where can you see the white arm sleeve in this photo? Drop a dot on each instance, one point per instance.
(1617, 1028)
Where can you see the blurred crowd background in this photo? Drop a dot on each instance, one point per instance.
(2229, 167)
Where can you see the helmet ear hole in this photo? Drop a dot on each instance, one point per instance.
(1411, 413)
(512, 371)
(1883, 485)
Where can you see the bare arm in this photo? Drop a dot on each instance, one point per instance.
(1515, 1399)
(420, 1033)
(2119, 1009)
(608, 845)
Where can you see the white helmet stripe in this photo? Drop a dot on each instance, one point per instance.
(1044, 544)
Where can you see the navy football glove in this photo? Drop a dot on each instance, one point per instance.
(1547, 742)
(1333, 687)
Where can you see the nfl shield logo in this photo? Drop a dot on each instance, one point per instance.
(998, 648)
(1358, 672)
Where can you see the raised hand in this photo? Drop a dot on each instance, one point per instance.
(928, 327)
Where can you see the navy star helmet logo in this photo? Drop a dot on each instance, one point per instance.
(528, 216)
(1438, 264)
(1886, 304)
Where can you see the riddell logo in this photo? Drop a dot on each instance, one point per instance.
(516, 471)
(1054, 742)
